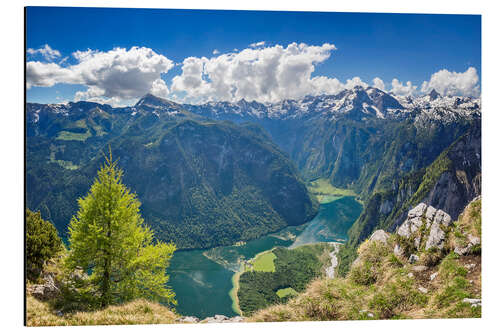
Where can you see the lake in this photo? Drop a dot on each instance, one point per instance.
(201, 279)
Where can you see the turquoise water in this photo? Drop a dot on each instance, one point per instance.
(202, 279)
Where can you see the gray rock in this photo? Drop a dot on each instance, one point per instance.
(417, 242)
(46, 291)
(419, 268)
(423, 290)
(429, 215)
(188, 320)
(433, 276)
(418, 211)
(442, 218)
(436, 236)
(380, 236)
(220, 317)
(470, 266)
(473, 239)
(409, 226)
(461, 251)
(472, 301)
(410, 275)
(404, 229)
(223, 319)
(369, 314)
(398, 251)
(413, 258)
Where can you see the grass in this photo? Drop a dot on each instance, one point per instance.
(264, 262)
(70, 136)
(326, 192)
(379, 285)
(286, 292)
(138, 312)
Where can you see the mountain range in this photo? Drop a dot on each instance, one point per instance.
(239, 169)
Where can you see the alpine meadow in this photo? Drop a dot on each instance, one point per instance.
(228, 171)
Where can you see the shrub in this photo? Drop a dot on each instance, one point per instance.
(42, 243)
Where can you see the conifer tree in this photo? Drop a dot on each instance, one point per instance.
(109, 240)
(42, 243)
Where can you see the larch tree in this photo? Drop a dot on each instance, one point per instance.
(109, 240)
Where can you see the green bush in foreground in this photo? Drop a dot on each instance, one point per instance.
(42, 242)
(109, 241)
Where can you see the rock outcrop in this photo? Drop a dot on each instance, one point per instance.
(380, 236)
(47, 290)
(425, 225)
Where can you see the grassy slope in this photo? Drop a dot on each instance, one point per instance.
(133, 313)
(264, 262)
(380, 285)
(325, 192)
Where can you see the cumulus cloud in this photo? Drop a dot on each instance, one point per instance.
(378, 83)
(398, 88)
(265, 74)
(118, 74)
(159, 88)
(261, 73)
(453, 83)
(46, 51)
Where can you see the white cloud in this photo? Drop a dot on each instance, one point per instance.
(257, 44)
(261, 73)
(453, 83)
(398, 88)
(378, 83)
(159, 88)
(114, 75)
(265, 74)
(46, 51)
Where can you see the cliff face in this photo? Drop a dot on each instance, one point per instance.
(462, 181)
(449, 183)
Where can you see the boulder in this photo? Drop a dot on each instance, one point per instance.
(418, 211)
(47, 290)
(188, 320)
(463, 250)
(436, 236)
(380, 236)
(472, 301)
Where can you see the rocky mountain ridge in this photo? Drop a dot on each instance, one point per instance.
(357, 103)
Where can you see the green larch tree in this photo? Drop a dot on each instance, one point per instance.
(109, 240)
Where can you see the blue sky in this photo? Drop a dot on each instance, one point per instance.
(405, 47)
